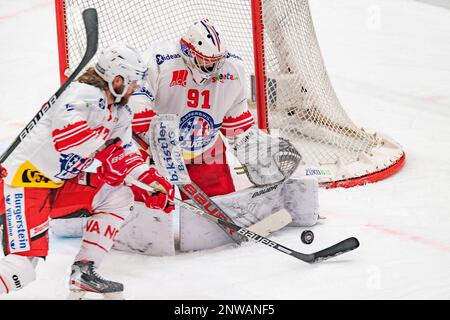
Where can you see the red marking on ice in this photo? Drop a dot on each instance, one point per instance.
(436, 98)
(25, 11)
(408, 236)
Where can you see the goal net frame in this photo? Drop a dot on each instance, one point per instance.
(302, 104)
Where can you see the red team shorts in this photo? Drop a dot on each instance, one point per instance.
(32, 220)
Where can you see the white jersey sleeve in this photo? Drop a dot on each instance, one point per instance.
(142, 103)
(62, 143)
(71, 132)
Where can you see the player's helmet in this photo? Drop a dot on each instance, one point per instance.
(120, 60)
(202, 50)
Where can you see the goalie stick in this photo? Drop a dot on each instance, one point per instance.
(167, 156)
(344, 246)
(91, 24)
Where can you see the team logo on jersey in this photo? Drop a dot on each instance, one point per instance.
(222, 77)
(29, 176)
(197, 130)
(160, 59)
(70, 166)
(179, 78)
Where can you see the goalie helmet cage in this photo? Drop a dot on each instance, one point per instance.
(288, 83)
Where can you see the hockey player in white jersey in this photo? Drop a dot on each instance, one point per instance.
(44, 175)
(204, 83)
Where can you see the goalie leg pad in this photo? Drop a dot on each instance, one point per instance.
(198, 233)
(68, 228)
(245, 207)
(301, 200)
(299, 196)
(147, 231)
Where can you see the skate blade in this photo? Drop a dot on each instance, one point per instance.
(81, 295)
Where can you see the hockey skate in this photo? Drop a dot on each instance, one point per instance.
(84, 279)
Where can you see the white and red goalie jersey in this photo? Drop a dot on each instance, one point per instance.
(220, 104)
(65, 139)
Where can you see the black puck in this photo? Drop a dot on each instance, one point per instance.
(307, 237)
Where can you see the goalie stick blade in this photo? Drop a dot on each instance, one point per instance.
(272, 223)
(330, 252)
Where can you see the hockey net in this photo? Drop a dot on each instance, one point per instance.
(287, 79)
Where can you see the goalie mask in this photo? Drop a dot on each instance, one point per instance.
(203, 51)
(120, 60)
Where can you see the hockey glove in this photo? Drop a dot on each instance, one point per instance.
(114, 167)
(265, 159)
(158, 200)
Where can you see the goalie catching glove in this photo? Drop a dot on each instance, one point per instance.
(265, 159)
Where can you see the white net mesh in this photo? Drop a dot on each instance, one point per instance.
(300, 99)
